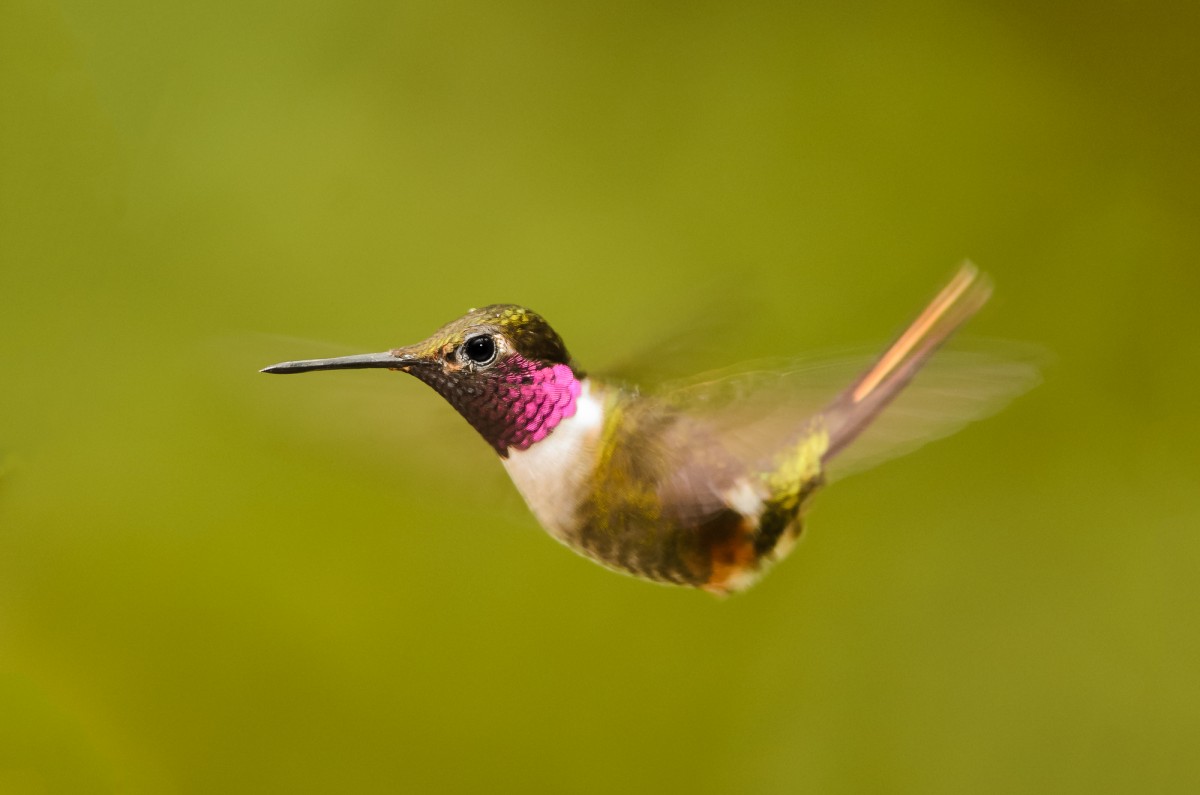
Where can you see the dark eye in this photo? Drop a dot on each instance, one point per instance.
(481, 349)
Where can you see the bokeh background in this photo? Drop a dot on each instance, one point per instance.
(216, 581)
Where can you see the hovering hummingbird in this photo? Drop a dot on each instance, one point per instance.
(646, 484)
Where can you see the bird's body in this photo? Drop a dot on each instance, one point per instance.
(642, 483)
(620, 481)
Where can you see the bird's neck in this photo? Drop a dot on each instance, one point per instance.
(553, 474)
(516, 410)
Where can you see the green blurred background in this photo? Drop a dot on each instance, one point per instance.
(216, 581)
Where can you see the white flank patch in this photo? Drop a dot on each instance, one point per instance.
(744, 498)
(552, 474)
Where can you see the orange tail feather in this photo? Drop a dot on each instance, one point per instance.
(852, 411)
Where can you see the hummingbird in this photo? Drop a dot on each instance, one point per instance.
(647, 484)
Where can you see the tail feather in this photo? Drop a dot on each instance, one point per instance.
(854, 409)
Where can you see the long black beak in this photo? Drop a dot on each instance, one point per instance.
(391, 360)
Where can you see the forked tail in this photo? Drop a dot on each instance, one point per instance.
(854, 409)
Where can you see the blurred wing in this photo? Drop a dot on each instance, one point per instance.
(955, 388)
(871, 410)
(758, 412)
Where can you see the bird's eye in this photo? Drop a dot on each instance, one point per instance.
(481, 349)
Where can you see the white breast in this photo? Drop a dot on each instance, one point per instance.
(552, 474)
